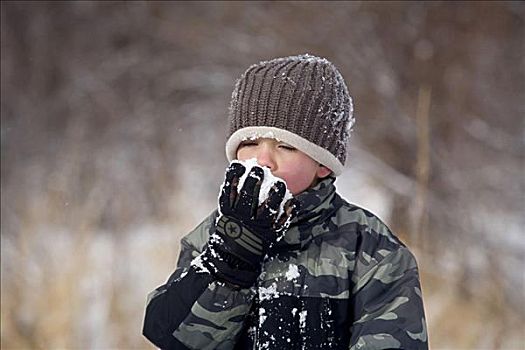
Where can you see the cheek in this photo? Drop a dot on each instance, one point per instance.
(296, 186)
(297, 179)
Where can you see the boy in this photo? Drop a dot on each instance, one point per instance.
(268, 272)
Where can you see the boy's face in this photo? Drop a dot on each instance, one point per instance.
(298, 170)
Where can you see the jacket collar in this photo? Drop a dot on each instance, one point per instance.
(315, 205)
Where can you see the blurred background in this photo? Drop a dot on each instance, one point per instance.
(113, 123)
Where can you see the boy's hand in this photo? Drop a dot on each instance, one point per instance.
(246, 229)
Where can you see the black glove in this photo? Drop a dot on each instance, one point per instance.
(245, 230)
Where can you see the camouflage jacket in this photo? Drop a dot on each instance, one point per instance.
(339, 279)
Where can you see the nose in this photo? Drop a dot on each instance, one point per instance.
(265, 157)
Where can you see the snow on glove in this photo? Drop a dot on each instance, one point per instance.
(247, 229)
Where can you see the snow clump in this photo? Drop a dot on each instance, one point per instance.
(268, 293)
(268, 181)
(292, 273)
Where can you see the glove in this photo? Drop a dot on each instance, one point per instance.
(245, 231)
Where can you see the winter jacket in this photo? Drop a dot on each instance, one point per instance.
(339, 279)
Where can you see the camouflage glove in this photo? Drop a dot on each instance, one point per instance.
(245, 230)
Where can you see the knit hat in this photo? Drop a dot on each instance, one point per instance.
(301, 100)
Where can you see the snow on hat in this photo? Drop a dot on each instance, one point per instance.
(301, 100)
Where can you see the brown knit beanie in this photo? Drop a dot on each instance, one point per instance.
(301, 100)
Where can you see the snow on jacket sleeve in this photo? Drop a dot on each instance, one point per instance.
(193, 310)
(387, 302)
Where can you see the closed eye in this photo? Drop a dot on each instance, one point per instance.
(287, 147)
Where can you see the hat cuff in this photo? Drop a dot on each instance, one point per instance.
(314, 151)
